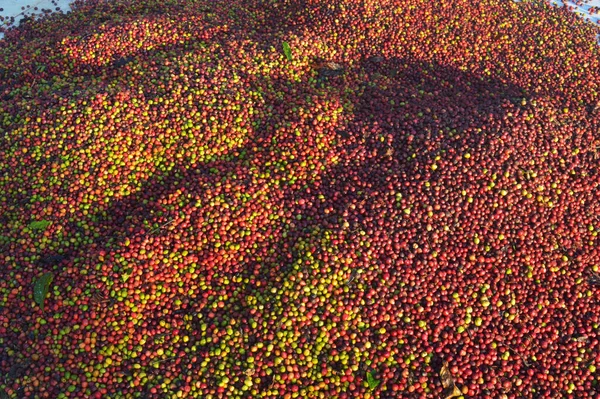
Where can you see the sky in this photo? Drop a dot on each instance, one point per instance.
(12, 11)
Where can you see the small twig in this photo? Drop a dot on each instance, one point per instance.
(161, 226)
(469, 332)
(530, 339)
(594, 279)
(351, 279)
(163, 360)
(518, 354)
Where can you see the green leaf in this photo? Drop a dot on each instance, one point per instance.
(40, 225)
(287, 51)
(41, 287)
(371, 381)
(126, 274)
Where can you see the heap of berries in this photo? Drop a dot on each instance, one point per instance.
(300, 199)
